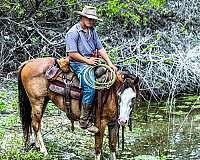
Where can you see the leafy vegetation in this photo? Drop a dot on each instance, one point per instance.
(147, 37)
(131, 11)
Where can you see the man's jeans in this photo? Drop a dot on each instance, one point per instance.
(88, 92)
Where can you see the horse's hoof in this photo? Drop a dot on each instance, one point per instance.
(98, 157)
(113, 156)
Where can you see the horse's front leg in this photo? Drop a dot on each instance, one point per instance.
(113, 135)
(99, 139)
(36, 123)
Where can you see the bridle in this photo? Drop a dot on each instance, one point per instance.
(121, 89)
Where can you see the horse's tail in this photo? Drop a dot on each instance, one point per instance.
(24, 106)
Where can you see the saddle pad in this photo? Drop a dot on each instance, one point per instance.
(52, 72)
(58, 87)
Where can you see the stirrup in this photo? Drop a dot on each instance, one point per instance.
(92, 129)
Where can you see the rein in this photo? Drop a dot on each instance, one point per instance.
(130, 129)
(129, 122)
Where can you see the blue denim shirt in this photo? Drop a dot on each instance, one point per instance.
(74, 43)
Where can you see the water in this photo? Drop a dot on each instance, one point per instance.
(161, 134)
(164, 138)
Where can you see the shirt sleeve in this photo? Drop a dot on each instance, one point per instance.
(98, 41)
(71, 41)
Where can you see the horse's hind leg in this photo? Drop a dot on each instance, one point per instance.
(37, 112)
(113, 131)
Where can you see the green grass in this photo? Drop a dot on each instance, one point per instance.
(2, 106)
(18, 155)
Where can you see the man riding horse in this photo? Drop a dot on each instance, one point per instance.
(84, 48)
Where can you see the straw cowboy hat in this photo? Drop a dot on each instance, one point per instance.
(89, 12)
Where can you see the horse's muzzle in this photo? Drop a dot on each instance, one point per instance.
(122, 122)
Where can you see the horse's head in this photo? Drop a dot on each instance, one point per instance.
(127, 96)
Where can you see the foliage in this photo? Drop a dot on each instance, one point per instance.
(16, 7)
(16, 154)
(197, 118)
(38, 9)
(151, 38)
(131, 11)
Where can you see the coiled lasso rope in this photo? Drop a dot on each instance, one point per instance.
(109, 80)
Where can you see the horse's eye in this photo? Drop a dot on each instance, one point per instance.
(122, 76)
(119, 99)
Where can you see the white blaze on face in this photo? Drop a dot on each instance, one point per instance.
(125, 105)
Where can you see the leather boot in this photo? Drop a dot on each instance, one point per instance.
(84, 119)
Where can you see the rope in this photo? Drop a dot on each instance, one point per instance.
(107, 83)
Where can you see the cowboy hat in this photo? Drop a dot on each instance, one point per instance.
(89, 12)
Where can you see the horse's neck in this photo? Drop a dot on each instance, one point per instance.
(117, 85)
(114, 91)
(110, 94)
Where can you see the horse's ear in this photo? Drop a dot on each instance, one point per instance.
(136, 81)
(119, 76)
(136, 85)
(126, 74)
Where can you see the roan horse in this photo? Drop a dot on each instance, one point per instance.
(34, 96)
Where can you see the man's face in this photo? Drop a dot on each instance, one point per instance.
(88, 22)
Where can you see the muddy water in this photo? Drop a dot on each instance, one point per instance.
(165, 133)
(164, 139)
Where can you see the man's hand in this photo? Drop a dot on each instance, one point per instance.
(92, 61)
(113, 67)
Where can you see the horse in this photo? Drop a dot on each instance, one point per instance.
(117, 103)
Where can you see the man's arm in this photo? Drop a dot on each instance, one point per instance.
(78, 57)
(104, 55)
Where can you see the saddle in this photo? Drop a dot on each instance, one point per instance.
(62, 80)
